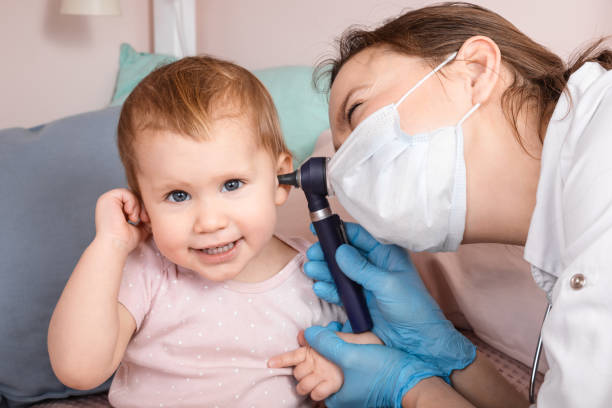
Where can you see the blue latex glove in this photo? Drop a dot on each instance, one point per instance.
(405, 315)
(374, 375)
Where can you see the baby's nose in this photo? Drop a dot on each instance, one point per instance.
(210, 218)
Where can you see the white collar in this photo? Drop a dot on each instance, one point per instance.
(545, 240)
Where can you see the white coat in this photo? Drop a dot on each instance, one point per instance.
(569, 244)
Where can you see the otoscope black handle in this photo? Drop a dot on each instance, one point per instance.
(331, 234)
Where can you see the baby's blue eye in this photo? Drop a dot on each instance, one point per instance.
(232, 185)
(178, 196)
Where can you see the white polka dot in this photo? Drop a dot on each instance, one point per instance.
(175, 281)
(236, 370)
(205, 287)
(269, 338)
(266, 392)
(130, 285)
(218, 348)
(187, 379)
(225, 286)
(148, 336)
(220, 324)
(161, 405)
(199, 356)
(200, 334)
(220, 298)
(201, 373)
(150, 355)
(173, 387)
(252, 350)
(203, 310)
(180, 342)
(250, 300)
(284, 401)
(188, 298)
(235, 313)
(219, 384)
(169, 306)
(252, 325)
(236, 338)
(233, 358)
(236, 396)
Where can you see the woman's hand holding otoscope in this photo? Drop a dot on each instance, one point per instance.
(311, 178)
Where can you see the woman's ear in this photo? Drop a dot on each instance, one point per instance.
(284, 165)
(482, 66)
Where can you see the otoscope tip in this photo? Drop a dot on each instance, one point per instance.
(289, 179)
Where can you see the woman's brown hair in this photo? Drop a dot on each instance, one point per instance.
(436, 31)
(186, 97)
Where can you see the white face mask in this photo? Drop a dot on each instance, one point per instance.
(408, 190)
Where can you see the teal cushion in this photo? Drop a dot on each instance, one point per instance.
(133, 67)
(302, 109)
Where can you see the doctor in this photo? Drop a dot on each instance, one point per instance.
(451, 126)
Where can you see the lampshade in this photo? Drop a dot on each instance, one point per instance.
(91, 7)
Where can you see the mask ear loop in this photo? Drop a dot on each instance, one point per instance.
(426, 77)
(467, 115)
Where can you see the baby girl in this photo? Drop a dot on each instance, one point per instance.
(185, 291)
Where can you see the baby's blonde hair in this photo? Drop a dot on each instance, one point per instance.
(186, 97)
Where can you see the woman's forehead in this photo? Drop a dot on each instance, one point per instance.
(371, 65)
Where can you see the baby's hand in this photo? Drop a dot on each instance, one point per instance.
(315, 374)
(113, 211)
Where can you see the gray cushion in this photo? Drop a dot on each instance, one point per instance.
(50, 179)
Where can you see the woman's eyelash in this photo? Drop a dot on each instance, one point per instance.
(349, 113)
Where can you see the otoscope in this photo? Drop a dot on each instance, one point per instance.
(311, 178)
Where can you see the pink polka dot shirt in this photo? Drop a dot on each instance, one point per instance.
(200, 343)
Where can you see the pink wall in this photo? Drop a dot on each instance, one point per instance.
(276, 32)
(54, 65)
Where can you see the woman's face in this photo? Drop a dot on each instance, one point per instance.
(377, 76)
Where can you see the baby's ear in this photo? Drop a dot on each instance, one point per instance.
(144, 215)
(284, 165)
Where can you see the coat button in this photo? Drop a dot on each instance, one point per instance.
(577, 281)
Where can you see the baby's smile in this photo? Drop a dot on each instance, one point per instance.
(219, 253)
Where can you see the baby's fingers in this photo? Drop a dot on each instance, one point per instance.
(288, 359)
(131, 208)
(307, 384)
(324, 389)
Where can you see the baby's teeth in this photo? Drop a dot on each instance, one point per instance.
(218, 250)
